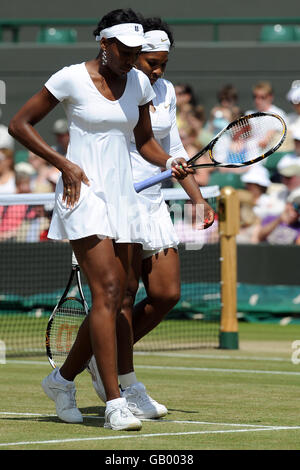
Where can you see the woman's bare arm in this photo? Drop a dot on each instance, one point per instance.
(21, 127)
(191, 187)
(150, 149)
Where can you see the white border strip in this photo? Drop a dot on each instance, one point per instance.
(210, 356)
(187, 369)
(46, 198)
(30, 198)
(135, 436)
(162, 420)
(213, 369)
(179, 193)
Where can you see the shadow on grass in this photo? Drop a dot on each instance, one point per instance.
(93, 416)
(182, 411)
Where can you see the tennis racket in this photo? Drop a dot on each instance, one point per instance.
(66, 319)
(245, 141)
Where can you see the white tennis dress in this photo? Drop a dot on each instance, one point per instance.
(100, 131)
(161, 230)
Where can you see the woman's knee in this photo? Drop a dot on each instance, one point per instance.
(169, 296)
(108, 293)
(129, 297)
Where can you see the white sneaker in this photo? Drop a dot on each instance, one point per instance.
(64, 398)
(96, 379)
(118, 417)
(141, 404)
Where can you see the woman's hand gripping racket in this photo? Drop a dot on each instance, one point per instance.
(243, 142)
(66, 319)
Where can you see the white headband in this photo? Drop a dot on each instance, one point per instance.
(156, 41)
(130, 34)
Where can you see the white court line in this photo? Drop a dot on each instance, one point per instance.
(211, 356)
(197, 369)
(250, 428)
(214, 369)
(23, 361)
(135, 436)
(13, 413)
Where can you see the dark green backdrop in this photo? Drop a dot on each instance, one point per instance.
(238, 57)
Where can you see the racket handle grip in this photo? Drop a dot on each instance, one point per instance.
(164, 175)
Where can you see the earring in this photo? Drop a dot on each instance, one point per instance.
(104, 58)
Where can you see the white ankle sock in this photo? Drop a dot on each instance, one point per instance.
(127, 379)
(59, 378)
(115, 403)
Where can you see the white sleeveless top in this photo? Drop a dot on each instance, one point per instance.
(100, 131)
(166, 133)
(161, 230)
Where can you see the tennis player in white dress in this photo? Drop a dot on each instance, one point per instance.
(99, 142)
(105, 100)
(158, 263)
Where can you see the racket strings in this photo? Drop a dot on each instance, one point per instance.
(64, 328)
(247, 140)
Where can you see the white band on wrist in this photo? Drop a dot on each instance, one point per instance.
(169, 162)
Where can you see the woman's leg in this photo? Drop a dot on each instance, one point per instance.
(138, 400)
(124, 319)
(161, 277)
(105, 265)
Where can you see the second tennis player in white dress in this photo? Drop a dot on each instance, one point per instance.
(157, 265)
(163, 119)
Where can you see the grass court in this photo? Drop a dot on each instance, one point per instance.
(246, 399)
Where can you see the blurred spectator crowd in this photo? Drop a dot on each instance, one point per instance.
(269, 191)
(28, 174)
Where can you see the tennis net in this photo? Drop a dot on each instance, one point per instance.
(34, 271)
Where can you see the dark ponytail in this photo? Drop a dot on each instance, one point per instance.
(155, 23)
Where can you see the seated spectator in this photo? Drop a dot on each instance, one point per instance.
(227, 98)
(257, 181)
(285, 228)
(292, 157)
(218, 119)
(12, 217)
(7, 175)
(62, 137)
(263, 96)
(185, 102)
(44, 174)
(196, 121)
(290, 175)
(295, 129)
(22, 222)
(188, 138)
(23, 174)
(289, 171)
(293, 97)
